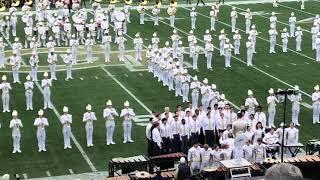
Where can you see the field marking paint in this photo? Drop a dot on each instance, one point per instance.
(71, 171)
(280, 65)
(126, 75)
(293, 64)
(96, 77)
(296, 9)
(75, 141)
(48, 173)
(25, 176)
(140, 74)
(240, 60)
(306, 105)
(81, 78)
(306, 62)
(226, 24)
(266, 65)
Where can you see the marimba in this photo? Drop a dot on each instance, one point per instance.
(294, 149)
(130, 163)
(166, 161)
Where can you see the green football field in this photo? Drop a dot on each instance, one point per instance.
(98, 82)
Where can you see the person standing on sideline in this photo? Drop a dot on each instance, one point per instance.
(156, 139)
(296, 100)
(128, 114)
(213, 17)
(195, 87)
(41, 123)
(46, 84)
(5, 87)
(316, 104)
(108, 114)
(66, 121)
(88, 118)
(28, 86)
(272, 103)
(33, 61)
(15, 125)
(298, 35)
(205, 91)
(138, 43)
(106, 40)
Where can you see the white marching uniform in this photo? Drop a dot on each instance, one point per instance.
(15, 62)
(284, 37)
(227, 54)
(138, 43)
(194, 156)
(120, 41)
(195, 49)
(195, 87)
(253, 34)
(74, 43)
(88, 118)
(273, 40)
(5, 87)
(68, 60)
(272, 103)
(52, 62)
(296, 100)
(205, 90)
(291, 136)
(193, 16)
(41, 123)
(251, 103)
(28, 86)
(155, 13)
(89, 44)
(209, 49)
(185, 88)
(292, 24)
(106, 40)
(318, 49)
(15, 125)
(248, 17)
(249, 45)
(237, 39)
(273, 21)
(108, 115)
(46, 84)
(66, 121)
(212, 20)
(2, 54)
(298, 35)
(234, 16)
(127, 114)
(316, 107)
(33, 61)
(222, 38)
(314, 31)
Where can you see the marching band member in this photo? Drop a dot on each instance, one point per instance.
(108, 114)
(275, 3)
(106, 40)
(141, 10)
(194, 157)
(42, 34)
(296, 100)
(273, 39)
(249, 45)
(126, 10)
(172, 11)
(34, 44)
(46, 84)
(17, 46)
(50, 45)
(206, 37)
(222, 38)
(92, 29)
(195, 87)
(166, 135)
(253, 34)
(195, 49)
(179, 52)
(248, 17)
(127, 113)
(56, 32)
(213, 17)
(41, 123)
(298, 35)
(155, 41)
(284, 37)
(291, 135)
(227, 53)
(214, 97)
(2, 26)
(68, 60)
(259, 152)
(292, 24)
(193, 15)
(209, 49)
(316, 104)
(185, 86)
(33, 61)
(15, 125)
(178, 82)
(15, 62)
(8, 25)
(13, 24)
(175, 41)
(237, 38)
(302, 5)
(317, 47)
(28, 86)
(205, 90)
(88, 118)
(66, 121)
(74, 43)
(5, 87)
(273, 20)
(80, 32)
(191, 38)
(272, 103)
(88, 45)
(205, 153)
(120, 41)
(66, 33)
(28, 33)
(155, 13)
(2, 53)
(314, 31)
(251, 103)
(52, 63)
(138, 43)
(234, 16)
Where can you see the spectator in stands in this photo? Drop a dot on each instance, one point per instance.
(283, 171)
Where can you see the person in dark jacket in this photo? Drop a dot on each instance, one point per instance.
(183, 171)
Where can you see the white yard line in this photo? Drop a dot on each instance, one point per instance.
(240, 60)
(313, 59)
(296, 9)
(293, 64)
(127, 90)
(25, 176)
(266, 65)
(71, 171)
(48, 173)
(306, 62)
(75, 141)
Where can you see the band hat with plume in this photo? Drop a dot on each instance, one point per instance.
(88, 107)
(222, 96)
(195, 78)
(40, 112)
(250, 92)
(296, 88)
(14, 113)
(45, 74)
(65, 109)
(28, 78)
(4, 78)
(213, 86)
(316, 88)
(271, 91)
(109, 103)
(205, 81)
(126, 104)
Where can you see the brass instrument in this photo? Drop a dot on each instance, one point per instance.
(173, 3)
(29, 2)
(172, 8)
(15, 3)
(144, 2)
(2, 5)
(98, 1)
(158, 3)
(141, 8)
(113, 1)
(128, 2)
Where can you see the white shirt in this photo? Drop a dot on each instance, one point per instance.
(291, 136)
(109, 114)
(89, 117)
(15, 125)
(66, 120)
(272, 102)
(5, 87)
(194, 154)
(127, 113)
(41, 122)
(270, 139)
(165, 130)
(148, 131)
(156, 136)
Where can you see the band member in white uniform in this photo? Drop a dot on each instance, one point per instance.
(88, 118)
(251, 103)
(68, 61)
(33, 61)
(285, 36)
(195, 88)
(5, 87)
(138, 43)
(66, 121)
(237, 39)
(316, 104)
(127, 113)
(28, 86)
(249, 45)
(272, 103)
(298, 35)
(193, 15)
(296, 100)
(248, 17)
(292, 24)
(15, 125)
(41, 123)
(108, 114)
(46, 84)
(273, 39)
(234, 16)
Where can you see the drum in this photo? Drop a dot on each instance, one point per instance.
(119, 16)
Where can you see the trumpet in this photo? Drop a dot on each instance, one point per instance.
(113, 1)
(128, 2)
(2, 5)
(171, 10)
(29, 2)
(15, 3)
(173, 3)
(158, 3)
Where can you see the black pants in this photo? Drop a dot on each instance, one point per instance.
(209, 137)
(201, 2)
(166, 145)
(150, 147)
(194, 138)
(156, 149)
(201, 136)
(184, 144)
(176, 143)
(83, 3)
